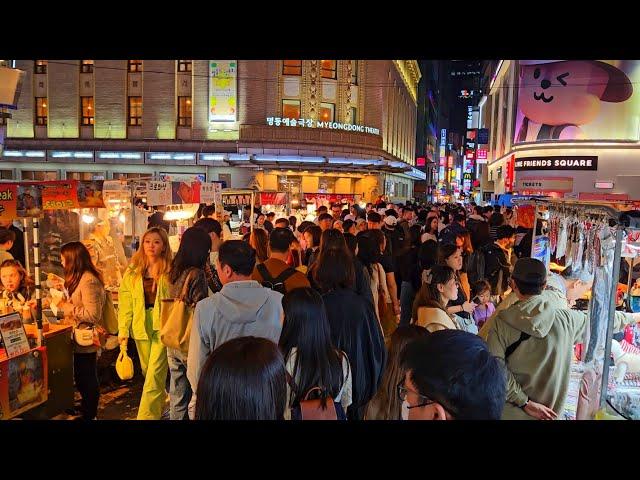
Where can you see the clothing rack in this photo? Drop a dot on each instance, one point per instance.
(618, 220)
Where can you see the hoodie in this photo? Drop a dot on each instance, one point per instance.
(539, 367)
(240, 309)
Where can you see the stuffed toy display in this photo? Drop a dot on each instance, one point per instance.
(627, 359)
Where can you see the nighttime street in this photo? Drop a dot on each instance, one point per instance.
(345, 240)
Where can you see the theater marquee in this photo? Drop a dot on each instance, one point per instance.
(557, 163)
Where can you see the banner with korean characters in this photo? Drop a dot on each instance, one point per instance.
(60, 195)
(211, 193)
(8, 201)
(159, 193)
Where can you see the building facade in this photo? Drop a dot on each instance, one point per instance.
(329, 126)
(568, 129)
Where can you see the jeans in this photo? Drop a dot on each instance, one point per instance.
(407, 295)
(85, 374)
(179, 386)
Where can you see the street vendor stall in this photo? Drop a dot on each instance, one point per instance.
(594, 237)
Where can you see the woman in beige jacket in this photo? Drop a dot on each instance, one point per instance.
(429, 309)
(87, 298)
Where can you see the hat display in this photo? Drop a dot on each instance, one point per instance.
(530, 270)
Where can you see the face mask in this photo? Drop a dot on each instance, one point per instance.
(405, 410)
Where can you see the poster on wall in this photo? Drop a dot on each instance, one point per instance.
(185, 192)
(211, 193)
(159, 193)
(273, 198)
(223, 90)
(577, 99)
(8, 201)
(541, 251)
(23, 382)
(13, 335)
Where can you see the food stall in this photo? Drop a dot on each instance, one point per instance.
(597, 238)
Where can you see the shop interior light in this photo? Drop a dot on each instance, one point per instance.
(239, 157)
(159, 156)
(180, 212)
(88, 219)
(12, 153)
(130, 155)
(212, 156)
(122, 218)
(35, 154)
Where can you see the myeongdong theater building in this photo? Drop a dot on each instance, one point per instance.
(565, 128)
(306, 126)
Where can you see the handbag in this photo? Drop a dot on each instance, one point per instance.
(84, 334)
(311, 409)
(176, 318)
(124, 364)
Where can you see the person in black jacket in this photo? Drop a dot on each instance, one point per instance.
(17, 250)
(497, 255)
(354, 328)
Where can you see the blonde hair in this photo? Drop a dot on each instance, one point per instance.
(140, 262)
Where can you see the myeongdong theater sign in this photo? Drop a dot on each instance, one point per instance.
(309, 123)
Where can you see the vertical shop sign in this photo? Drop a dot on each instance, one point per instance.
(223, 90)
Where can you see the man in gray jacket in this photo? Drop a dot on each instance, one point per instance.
(242, 308)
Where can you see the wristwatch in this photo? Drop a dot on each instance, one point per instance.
(525, 404)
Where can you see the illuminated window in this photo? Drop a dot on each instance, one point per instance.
(87, 110)
(327, 112)
(135, 111)
(41, 66)
(135, 65)
(86, 66)
(354, 115)
(354, 72)
(39, 176)
(184, 65)
(291, 109)
(292, 67)
(328, 68)
(85, 175)
(184, 111)
(42, 110)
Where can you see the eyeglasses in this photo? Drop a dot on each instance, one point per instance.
(402, 394)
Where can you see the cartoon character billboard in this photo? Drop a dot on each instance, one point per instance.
(577, 100)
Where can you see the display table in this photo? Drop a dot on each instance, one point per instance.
(60, 370)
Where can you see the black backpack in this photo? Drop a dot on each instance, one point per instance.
(476, 266)
(276, 284)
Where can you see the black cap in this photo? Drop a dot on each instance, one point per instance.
(529, 270)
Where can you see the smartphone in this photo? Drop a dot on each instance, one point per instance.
(476, 300)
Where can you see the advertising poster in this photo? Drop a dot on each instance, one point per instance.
(60, 195)
(273, 198)
(23, 382)
(223, 90)
(29, 200)
(185, 192)
(90, 194)
(13, 334)
(211, 193)
(577, 99)
(541, 251)
(159, 193)
(8, 201)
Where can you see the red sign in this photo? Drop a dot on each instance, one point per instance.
(273, 198)
(328, 198)
(508, 178)
(470, 154)
(8, 201)
(420, 162)
(482, 154)
(60, 195)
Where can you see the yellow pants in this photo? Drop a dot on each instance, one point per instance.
(153, 360)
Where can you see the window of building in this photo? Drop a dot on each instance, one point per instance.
(41, 66)
(135, 65)
(85, 175)
(327, 112)
(39, 176)
(41, 110)
(354, 72)
(292, 67)
(354, 115)
(135, 111)
(184, 111)
(328, 68)
(291, 109)
(184, 65)
(87, 110)
(86, 66)
(125, 176)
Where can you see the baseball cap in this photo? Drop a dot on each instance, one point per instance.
(360, 221)
(530, 270)
(390, 221)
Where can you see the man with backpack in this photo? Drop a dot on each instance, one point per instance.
(274, 273)
(497, 260)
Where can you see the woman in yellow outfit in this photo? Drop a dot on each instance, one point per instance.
(143, 287)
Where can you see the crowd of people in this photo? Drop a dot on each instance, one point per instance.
(385, 312)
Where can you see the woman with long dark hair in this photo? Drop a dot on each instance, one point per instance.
(187, 274)
(259, 240)
(354, 326)
(429, 307)
(386, 404)
(311, 358)
(369, 255)
(451, 256)
(312, 237)
(430, 229)
(410, 274)
(86, 302)
(243, 379)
